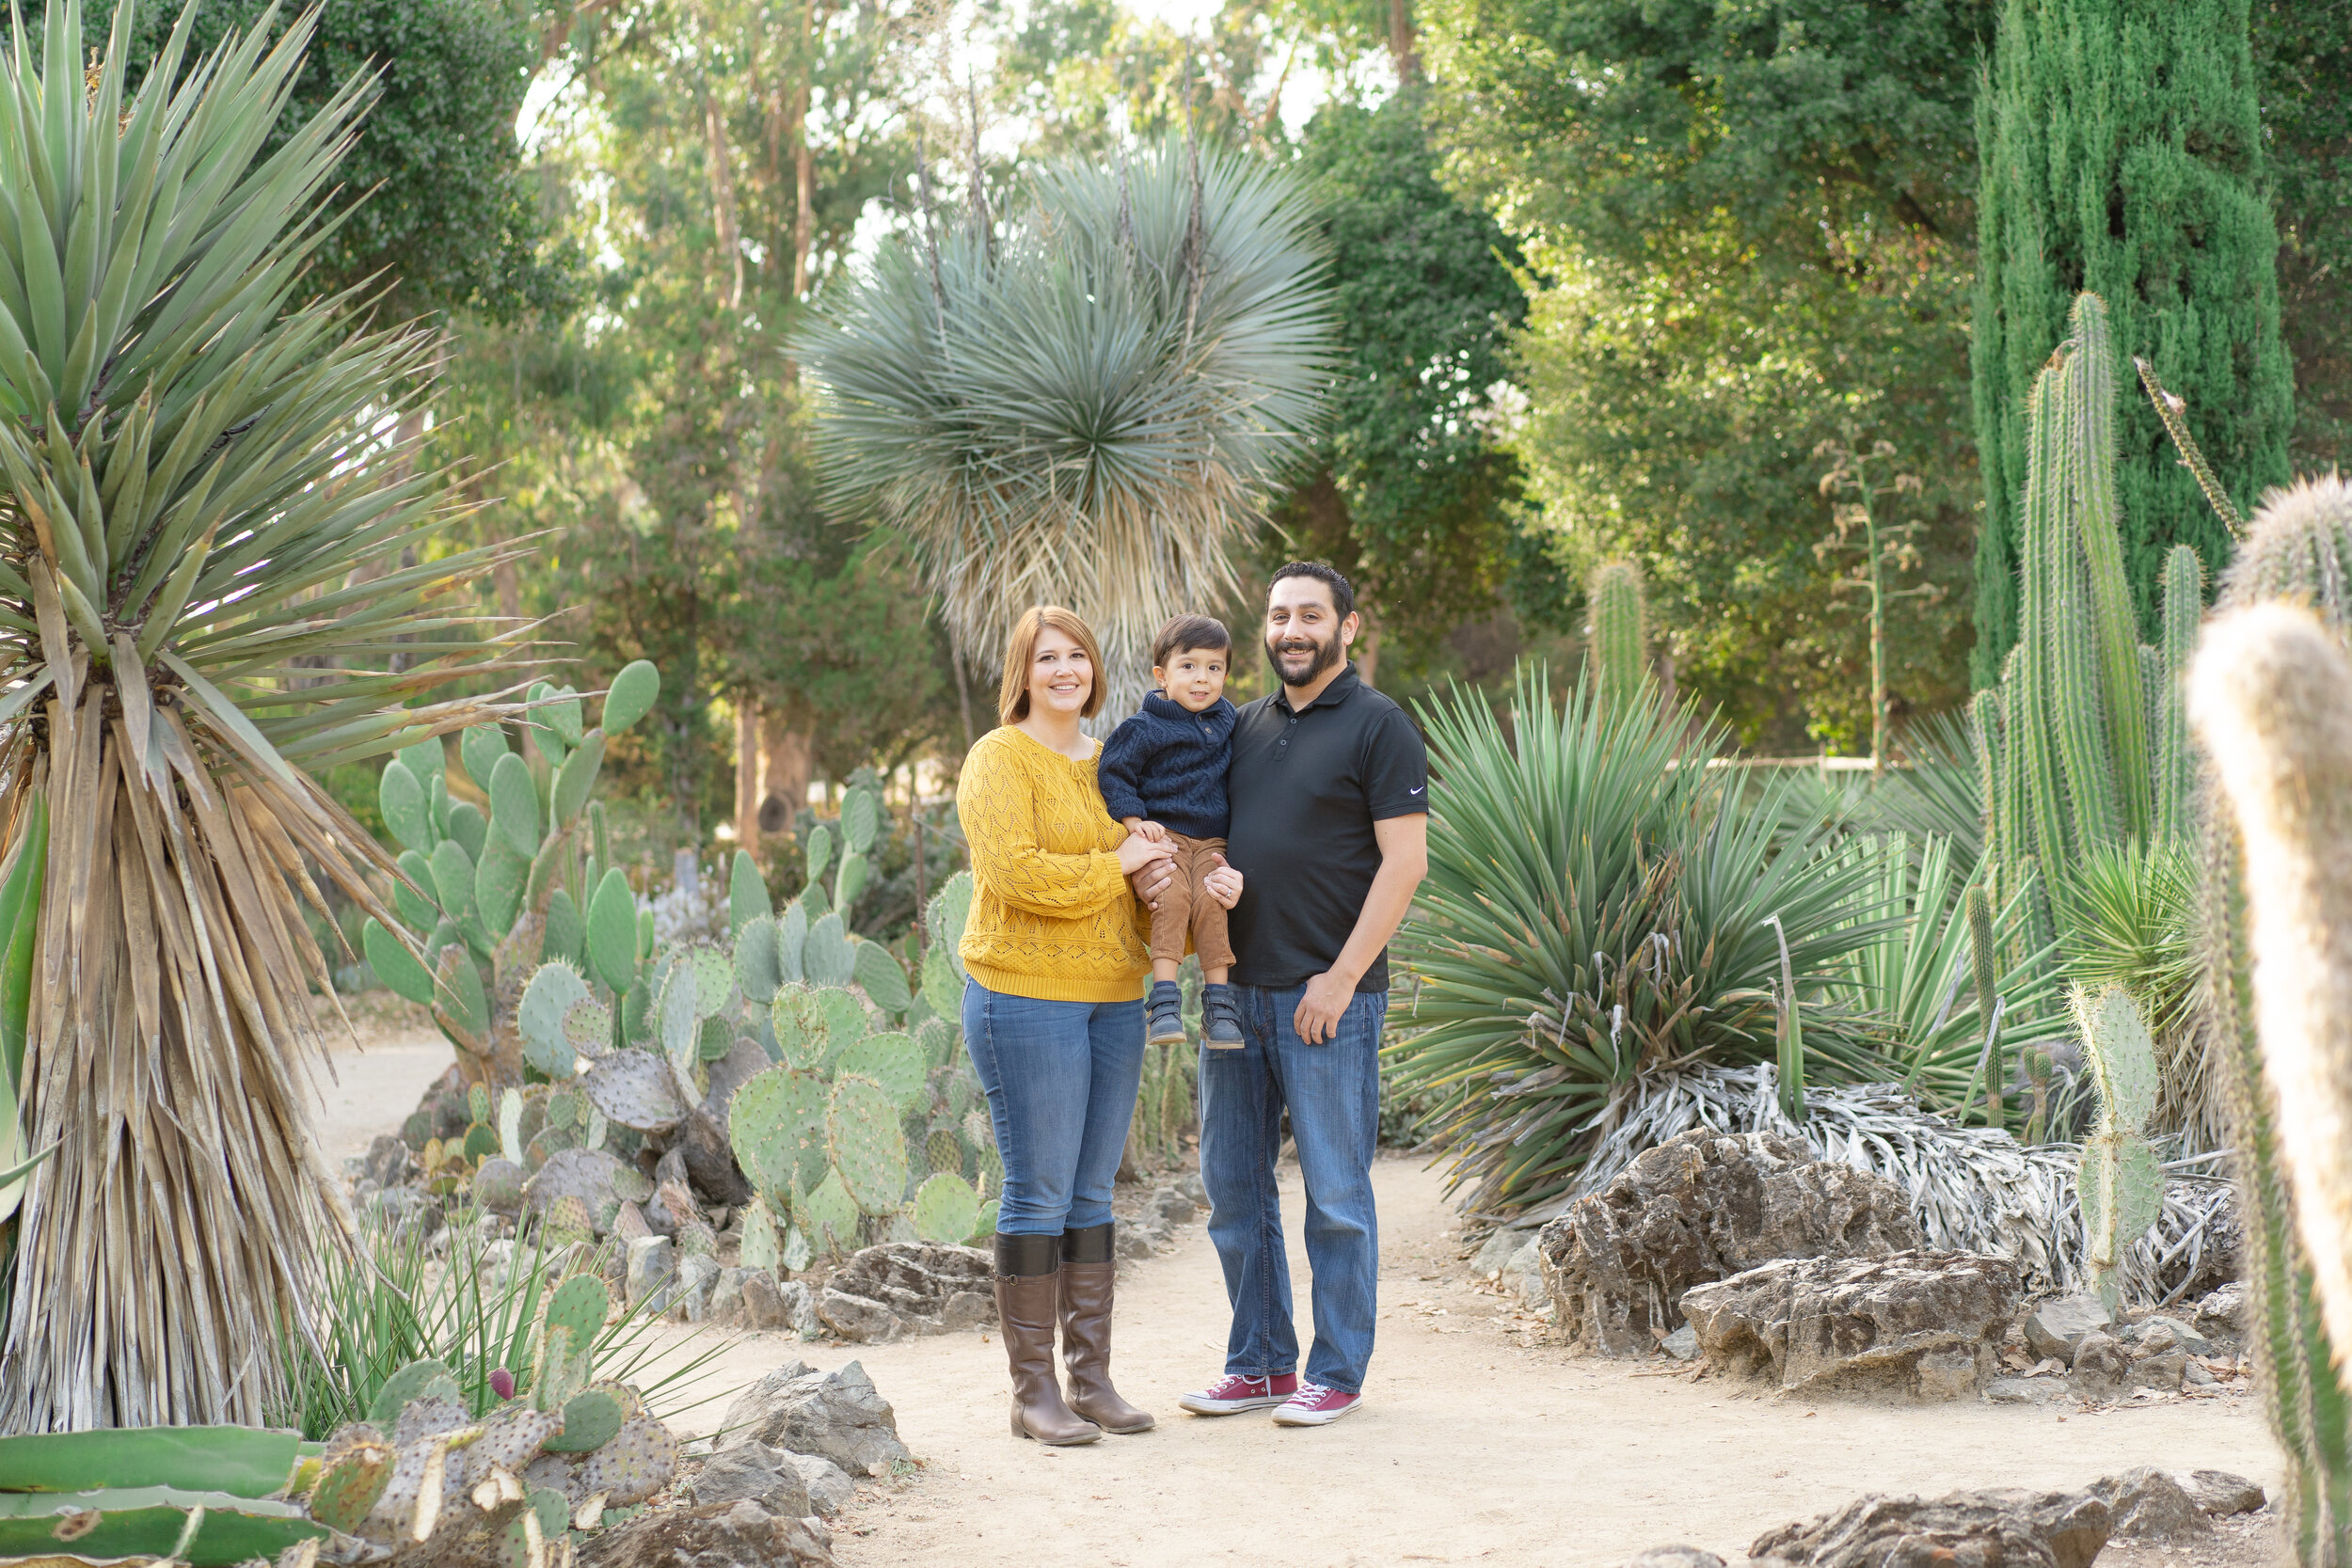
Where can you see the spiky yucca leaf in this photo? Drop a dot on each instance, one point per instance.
(199, 487)
(1086, 408)
(1595, 916)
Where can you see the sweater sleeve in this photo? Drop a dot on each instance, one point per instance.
(1120, 769)
(997, 806)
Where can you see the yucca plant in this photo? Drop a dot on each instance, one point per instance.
(197, 478)
(1087, 405)
(1599, 914)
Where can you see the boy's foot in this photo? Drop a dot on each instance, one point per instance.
(1231, 1395)
(1221, 1018)
(1314, 1405)
(1165, 1014)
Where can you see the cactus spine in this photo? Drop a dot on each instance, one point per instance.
(2297, 549)
(1620, 636)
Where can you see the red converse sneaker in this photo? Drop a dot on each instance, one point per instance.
(1314, 1405)
(1231, 1394)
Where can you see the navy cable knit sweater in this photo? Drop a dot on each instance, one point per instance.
(1167, 764)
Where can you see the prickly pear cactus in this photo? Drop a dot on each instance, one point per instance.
(2121, 1186)
(486, 897)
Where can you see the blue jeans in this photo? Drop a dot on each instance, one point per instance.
(1061, 1080)
(1332, 1091)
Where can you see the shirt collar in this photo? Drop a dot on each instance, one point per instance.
(1160, 705)
(1343, 686)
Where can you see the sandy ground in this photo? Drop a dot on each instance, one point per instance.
(375, 1071)
(1478, 1443)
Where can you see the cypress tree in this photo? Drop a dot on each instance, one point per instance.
(2121, 153)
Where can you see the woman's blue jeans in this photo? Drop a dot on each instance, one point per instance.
(1061, 1080)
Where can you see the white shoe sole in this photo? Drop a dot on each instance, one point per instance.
(1199, 1406)
(1288, 1418)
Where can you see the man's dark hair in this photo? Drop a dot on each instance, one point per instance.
(1184, 633)
(1343, 596)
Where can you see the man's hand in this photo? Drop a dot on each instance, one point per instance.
(1153, 880)
(1317, 1019)
(1138, 854)
(1224, 883)
(1152, 830)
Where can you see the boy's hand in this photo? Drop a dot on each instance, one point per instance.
(1152, 830)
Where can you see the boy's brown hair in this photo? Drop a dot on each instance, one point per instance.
(1012, 697)
(1184, 633)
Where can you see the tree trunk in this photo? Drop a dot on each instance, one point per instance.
(723, 195)
(1401, 39)
(785, 763)
(747, 774)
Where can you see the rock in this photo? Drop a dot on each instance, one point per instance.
(921, 1287)
(1173, 1206)
(2220, 1313)
(2100, 1364)
(387, 1160)
(830, 1488)
(1675, 1557)
(498, 1186)
(2222, 1493)
(1997, 1528)
(1682, 1344)
(799, 1309)
(2154, 1338)
(2054, 1327)
(1495, 1251)
(2183, 1336)
(1134, 1241)
(752, 1471)
(630, 1225)
(1699, 1208)
(2194, 1375)
(745, 1061)
(697, 1282)
(2149, 1505)
(1191, 1186)
(1521, 1275)
(652, 1267)
(859, 1319)
(1916, 1324)
(673, 1204)
(2023, 1390)
(839, 1415)
(727, 1297)
(709, 1535)
(2159, 1372)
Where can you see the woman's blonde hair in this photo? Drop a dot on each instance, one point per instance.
(1012, 698)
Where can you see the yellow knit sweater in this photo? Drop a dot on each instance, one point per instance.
(1051, 918)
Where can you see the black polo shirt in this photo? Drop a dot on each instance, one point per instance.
(1306, 788)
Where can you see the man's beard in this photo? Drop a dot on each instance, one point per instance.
(1326, 655)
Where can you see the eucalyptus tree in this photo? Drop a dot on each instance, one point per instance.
(1088, 403)
(211, 545)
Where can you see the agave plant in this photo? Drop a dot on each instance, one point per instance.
(1602, 910)
(1086, 407)
(197, 479)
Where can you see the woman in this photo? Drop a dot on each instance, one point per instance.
(1053, 1016)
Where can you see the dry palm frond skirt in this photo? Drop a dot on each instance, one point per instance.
(186, 1207)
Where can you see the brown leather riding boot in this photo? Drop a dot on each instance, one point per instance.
(1027, 1289)
(1088, 1273)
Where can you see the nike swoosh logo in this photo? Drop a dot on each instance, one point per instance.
(1416, 789)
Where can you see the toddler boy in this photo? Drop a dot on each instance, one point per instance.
(1163, 774)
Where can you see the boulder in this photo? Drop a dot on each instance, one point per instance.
(1699, 1208)
(1173, 1206)
(1915, 1324)
(709, 1535)
(727, 1297)
(764, 1304)
(830, 1488)
(2220, 1313)
(2222, 1493)
(1997, 1527)
(839, 1415)
(752, 1471)
(697, 1283)
(2025, 1390)
(2148, 1505)
(907, 1287)
(1192, 1187)
(652, 1267)
(2159, 1333)
(2164, 1372)
(1682, 1344)
(2055, 1327)
(498, 1186)
(2101, 1364)
(388, 1162)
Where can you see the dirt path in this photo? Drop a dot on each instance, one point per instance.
(370, 1083)
(1471, 1447)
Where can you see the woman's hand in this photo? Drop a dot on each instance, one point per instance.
(1137, 851)
(1223, 884)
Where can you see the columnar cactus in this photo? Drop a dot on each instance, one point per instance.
(493, 895)
(2119, 1186)
(1620, 636)
(2296, 550)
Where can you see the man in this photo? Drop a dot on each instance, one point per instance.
(1329, 785)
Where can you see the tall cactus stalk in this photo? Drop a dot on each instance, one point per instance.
(2172, 766)
(2298, 550)
(1620, 641)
